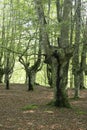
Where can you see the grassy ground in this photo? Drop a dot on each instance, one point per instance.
(22, 110)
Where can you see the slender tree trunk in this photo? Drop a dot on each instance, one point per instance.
(71, 74)
(83, 66)
(30, 83)
(7, 80)
(82, 86)
(1, 75)
(76, 72)
(76, 64)
(71, 79)
(7, 70)
(77, 85)
(49, 74)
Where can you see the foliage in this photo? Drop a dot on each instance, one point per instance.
(30, 107)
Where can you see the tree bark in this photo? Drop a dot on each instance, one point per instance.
(83, 58)
(82, 86)
(31, 82)
(1, 74)
(7, 81)
(76, 63)
(7, 72)
(49, 74)
(59, 80)
(31, 71)
(57, 57)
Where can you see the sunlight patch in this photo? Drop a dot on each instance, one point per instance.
(29, 111)
(50, 112)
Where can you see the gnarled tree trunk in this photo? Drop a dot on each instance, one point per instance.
(59, 80)
(57, 57)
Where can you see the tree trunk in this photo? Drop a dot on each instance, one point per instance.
(82, 80)
(1, 75)
(83, 58)
(59, 80)
(77, 85)
(76, 51)
(7, 81)
(57, 57)
(82, 68)
(7, 73)
(30, 86)
(7, 84)
(49, 75)
(76, 72)
(71, 79)
(31, 80)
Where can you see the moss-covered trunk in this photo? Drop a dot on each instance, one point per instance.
(83, 59)
(59, 80)
(76, 72)
(76, 62)
(57, 56)
(82, 80)
(77, 85)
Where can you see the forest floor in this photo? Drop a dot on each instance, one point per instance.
(23, 110)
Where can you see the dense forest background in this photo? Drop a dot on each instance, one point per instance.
(44, 42)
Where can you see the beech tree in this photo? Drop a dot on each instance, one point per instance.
(2, 37)
(76, 63)
(7, 41)
(57, 57)
(31, 70)
(83, 66)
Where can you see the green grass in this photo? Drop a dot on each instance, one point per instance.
(30, 107)
(79, 111)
